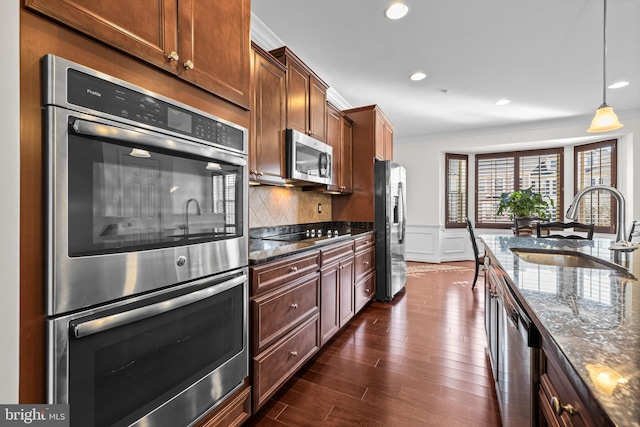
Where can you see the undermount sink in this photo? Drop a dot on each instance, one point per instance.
(566, 258)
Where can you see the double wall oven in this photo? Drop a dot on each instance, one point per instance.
(146, 256)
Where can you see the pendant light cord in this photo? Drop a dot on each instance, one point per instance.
(604, 57)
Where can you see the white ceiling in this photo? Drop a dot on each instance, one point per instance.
(544, 55)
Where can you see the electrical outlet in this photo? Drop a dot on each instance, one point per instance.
(319, 207)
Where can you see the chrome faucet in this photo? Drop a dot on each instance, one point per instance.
(572, 212)
(186, 213)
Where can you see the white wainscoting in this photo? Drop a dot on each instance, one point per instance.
(434, 243)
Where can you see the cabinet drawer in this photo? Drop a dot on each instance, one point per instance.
(365, 290)
(554, 384)
(365, 241)
(365, 260)
(277, 312)
(335, 253)
(277, 364)
(268, 276)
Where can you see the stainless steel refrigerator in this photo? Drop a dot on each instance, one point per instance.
(390, 225)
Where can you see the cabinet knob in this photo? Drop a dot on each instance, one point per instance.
(294, 269)
(261, 173)
(293, 353)
(173, 56)
(188, 65)
(366, 263)
(559, 408)
(294, 305)
(367, 290)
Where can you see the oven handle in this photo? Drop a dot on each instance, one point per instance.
(84, 127)
(109, 322)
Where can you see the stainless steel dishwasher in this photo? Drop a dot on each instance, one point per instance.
(513, 346)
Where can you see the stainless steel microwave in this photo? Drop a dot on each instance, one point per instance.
(308, 159)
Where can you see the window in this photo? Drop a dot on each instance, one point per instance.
(456, 190)
(596, 164)
(498, 173)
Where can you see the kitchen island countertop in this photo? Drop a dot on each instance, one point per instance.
(592, 315)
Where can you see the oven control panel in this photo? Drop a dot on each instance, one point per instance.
(101, 95)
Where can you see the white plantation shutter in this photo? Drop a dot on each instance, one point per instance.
(456, 190)
(596, 164)
(494, 176)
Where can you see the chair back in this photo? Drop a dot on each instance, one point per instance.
(472, 235)
(576, 226)
(633, 233)
(524, 226)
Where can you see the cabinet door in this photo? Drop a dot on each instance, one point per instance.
(214, 46)
(333, 139)
(142, 28)
(388, 142)
(297, 98)
(266, 151)
(379, 136)
(346, 157)
(346, 300)
(317, 109)
(329, 300)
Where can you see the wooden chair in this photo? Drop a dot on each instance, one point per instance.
(524, 226)
(576, 226)
(476, 252)
(633, 233)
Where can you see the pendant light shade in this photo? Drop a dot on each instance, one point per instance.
(605, 119)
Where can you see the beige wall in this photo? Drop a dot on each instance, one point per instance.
(274, 206)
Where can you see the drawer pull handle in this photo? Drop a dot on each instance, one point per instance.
(293, 353)
(367, 290)
(294, 305)
(294, 269)
(366, 263)
(559, 408)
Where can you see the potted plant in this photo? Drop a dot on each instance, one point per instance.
(524, 204)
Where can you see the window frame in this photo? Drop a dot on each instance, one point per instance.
(516, 155)
(465, 192)
(613, 143)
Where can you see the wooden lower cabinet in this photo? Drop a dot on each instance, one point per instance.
(336, 289)
(364, 271)
(285, 329)
(559, 402)
(232, 414)
(274, 366)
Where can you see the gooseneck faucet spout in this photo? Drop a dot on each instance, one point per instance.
(186, 213)
(572, 212)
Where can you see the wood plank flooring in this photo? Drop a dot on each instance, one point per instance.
(417, 361)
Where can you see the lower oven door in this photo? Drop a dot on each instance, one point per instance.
(161, 360)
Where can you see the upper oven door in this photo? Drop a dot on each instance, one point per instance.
(131, 210)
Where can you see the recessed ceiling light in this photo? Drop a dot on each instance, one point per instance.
(417, 76)
(503, 102)
(618, 85)
(396, 11)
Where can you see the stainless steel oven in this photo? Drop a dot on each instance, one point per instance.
(142, 192)
(162, 359)
(146, 252)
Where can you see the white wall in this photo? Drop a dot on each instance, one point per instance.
(424, 162)
(10, 196)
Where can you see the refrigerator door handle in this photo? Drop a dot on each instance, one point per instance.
(403, 223)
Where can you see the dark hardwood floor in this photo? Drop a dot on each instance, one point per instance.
(417, 361)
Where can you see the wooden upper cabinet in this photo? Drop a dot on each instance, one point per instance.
(383, 136)
(205, 43)
(268, 99)
(306, 96)
(340, 137)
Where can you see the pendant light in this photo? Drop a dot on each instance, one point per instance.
(605, 119)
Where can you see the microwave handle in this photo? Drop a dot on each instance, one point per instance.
(102, 324)
(101, 130)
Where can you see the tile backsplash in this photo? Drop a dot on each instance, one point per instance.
(275, 206)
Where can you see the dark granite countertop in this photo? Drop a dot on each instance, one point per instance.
(591, 314)
(264, 250)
